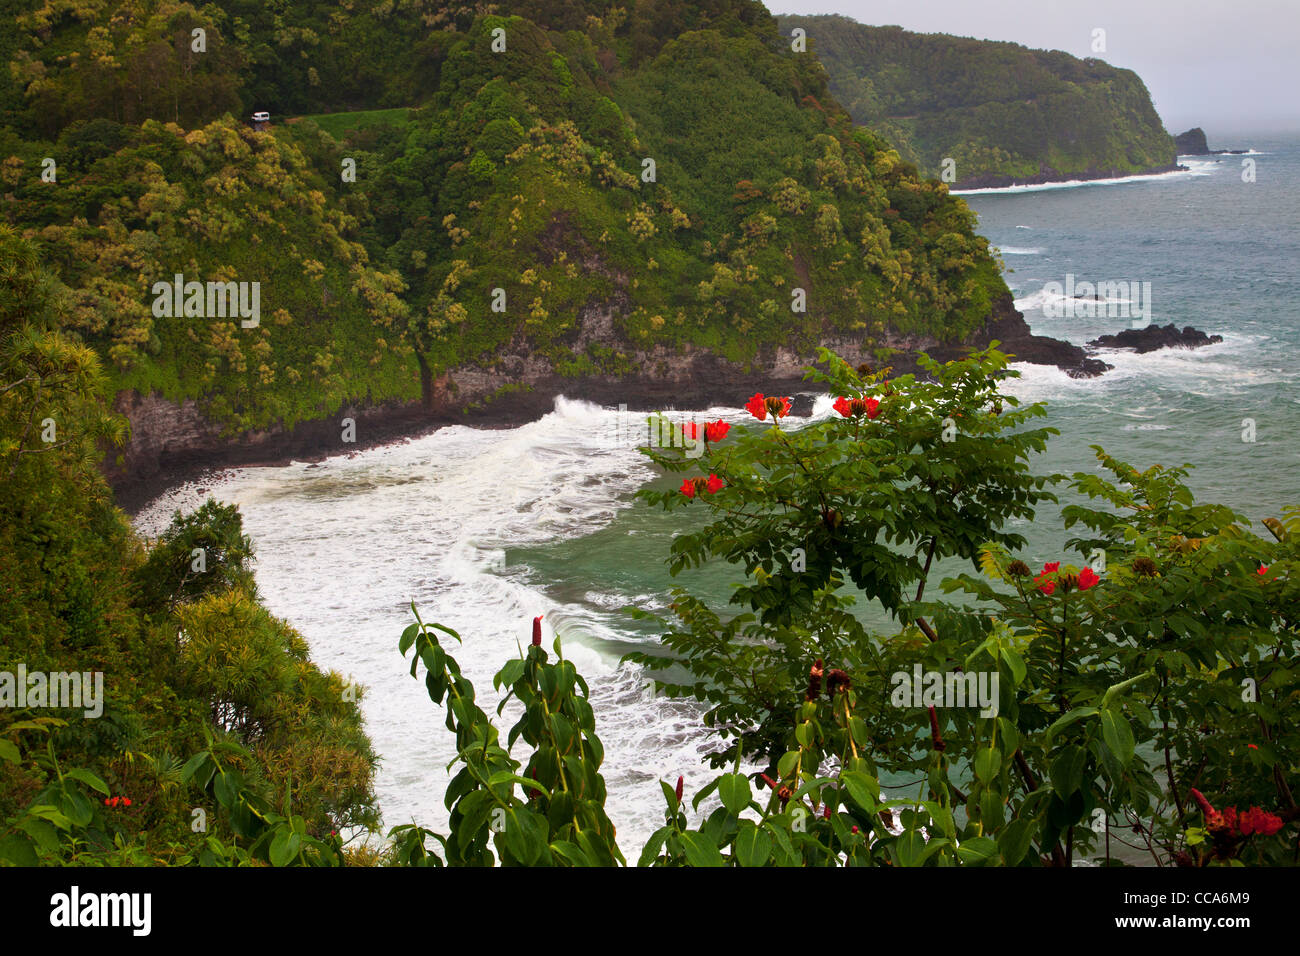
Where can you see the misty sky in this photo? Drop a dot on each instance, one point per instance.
(1229, 66)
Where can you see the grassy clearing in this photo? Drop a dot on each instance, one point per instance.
(338, 124)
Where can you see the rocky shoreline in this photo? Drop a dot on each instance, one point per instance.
(172, 443)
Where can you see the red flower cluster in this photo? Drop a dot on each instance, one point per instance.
(759, 406)
(1085, 579)
(537, 631)
(850, 407)
(712, 431)
(117, 801)
(694, 486)
(1227, 828)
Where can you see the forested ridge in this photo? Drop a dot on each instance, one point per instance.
(523, 171)
(1000, 111)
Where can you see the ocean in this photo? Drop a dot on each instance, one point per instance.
(484, 529)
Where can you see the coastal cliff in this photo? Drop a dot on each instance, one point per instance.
(173, 441)
(990, 113)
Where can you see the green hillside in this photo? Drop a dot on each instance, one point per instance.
(1000, 111)
(523, 170)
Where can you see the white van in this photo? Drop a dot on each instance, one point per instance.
(261, 117)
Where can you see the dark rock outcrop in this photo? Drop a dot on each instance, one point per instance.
(1193, 143)
(1156, 337)
(1008, 328)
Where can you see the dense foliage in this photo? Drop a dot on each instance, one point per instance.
(996, 109)
(189, 661)
(511, 208)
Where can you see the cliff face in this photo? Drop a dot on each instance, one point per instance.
(173, 441)
(1001, 112)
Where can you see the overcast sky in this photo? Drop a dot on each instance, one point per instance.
(1229, 66)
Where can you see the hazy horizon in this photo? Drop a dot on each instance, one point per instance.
(1227, 69)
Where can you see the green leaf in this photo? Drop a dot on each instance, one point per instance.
(1067, 770)
(1014, 841)
(656, 842)
(570, 853)
(1078, 713)
(863, 789)
(977, 850)
(284, 847)
(19, 850)
(733, 788)
(525, 835)
(988, 763)
(1121, 687)
(8, 751)
(89, 779)
(1117, 734)
(1015, 663)
(753, 846)
(700, 851)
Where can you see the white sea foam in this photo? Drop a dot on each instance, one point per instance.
(1018, 251)
(1195, 168)
(344, 546)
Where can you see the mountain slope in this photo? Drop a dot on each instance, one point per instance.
(512, 215)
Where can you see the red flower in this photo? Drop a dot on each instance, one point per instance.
(1263, 570)
(1253, 746)
(688, 487)
(680, 784)
(826, 812)
(855, 828)
(1256, 820)
(1087, 578)
(1050, 586)
(716, 431)
(1204, 804)
(849, 407)
(537, 631)
(126, 801)
(715, 484)
(757, 406)
(108, 802)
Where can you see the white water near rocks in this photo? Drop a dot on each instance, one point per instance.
(345, 545)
